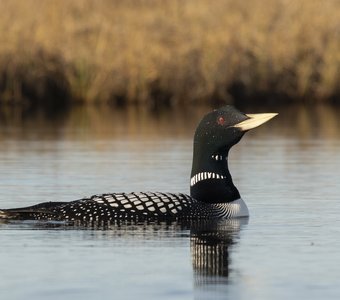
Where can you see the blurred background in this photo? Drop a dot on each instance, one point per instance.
(85, 76)
(149, 52)
(81, 62)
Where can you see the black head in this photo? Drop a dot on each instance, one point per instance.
(217, 132)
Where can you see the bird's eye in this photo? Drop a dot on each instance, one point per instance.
(220, 121)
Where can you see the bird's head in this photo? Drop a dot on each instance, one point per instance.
(217, 132)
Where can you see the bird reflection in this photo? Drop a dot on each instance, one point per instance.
(210, 242)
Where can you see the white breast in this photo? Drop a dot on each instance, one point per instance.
(234, 209)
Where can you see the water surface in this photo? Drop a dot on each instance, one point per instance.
(286, 171)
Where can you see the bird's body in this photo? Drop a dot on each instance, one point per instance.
(148, 206)
(212, 192)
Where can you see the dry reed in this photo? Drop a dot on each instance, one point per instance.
(169, 51)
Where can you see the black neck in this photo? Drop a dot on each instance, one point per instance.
(211, 181)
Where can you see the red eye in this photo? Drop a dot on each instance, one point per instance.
(220, 120)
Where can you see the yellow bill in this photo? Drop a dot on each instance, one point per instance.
(254, 121)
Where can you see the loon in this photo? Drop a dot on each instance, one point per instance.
(212, 192)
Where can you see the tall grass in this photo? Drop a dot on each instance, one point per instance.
(169, 51)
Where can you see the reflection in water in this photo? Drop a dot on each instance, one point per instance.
(105, 122)
(210, 243)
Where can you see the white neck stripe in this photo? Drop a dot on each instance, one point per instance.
(203, 176)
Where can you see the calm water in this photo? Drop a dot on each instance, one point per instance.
(286, 171)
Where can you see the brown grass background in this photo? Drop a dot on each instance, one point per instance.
(169, 52)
